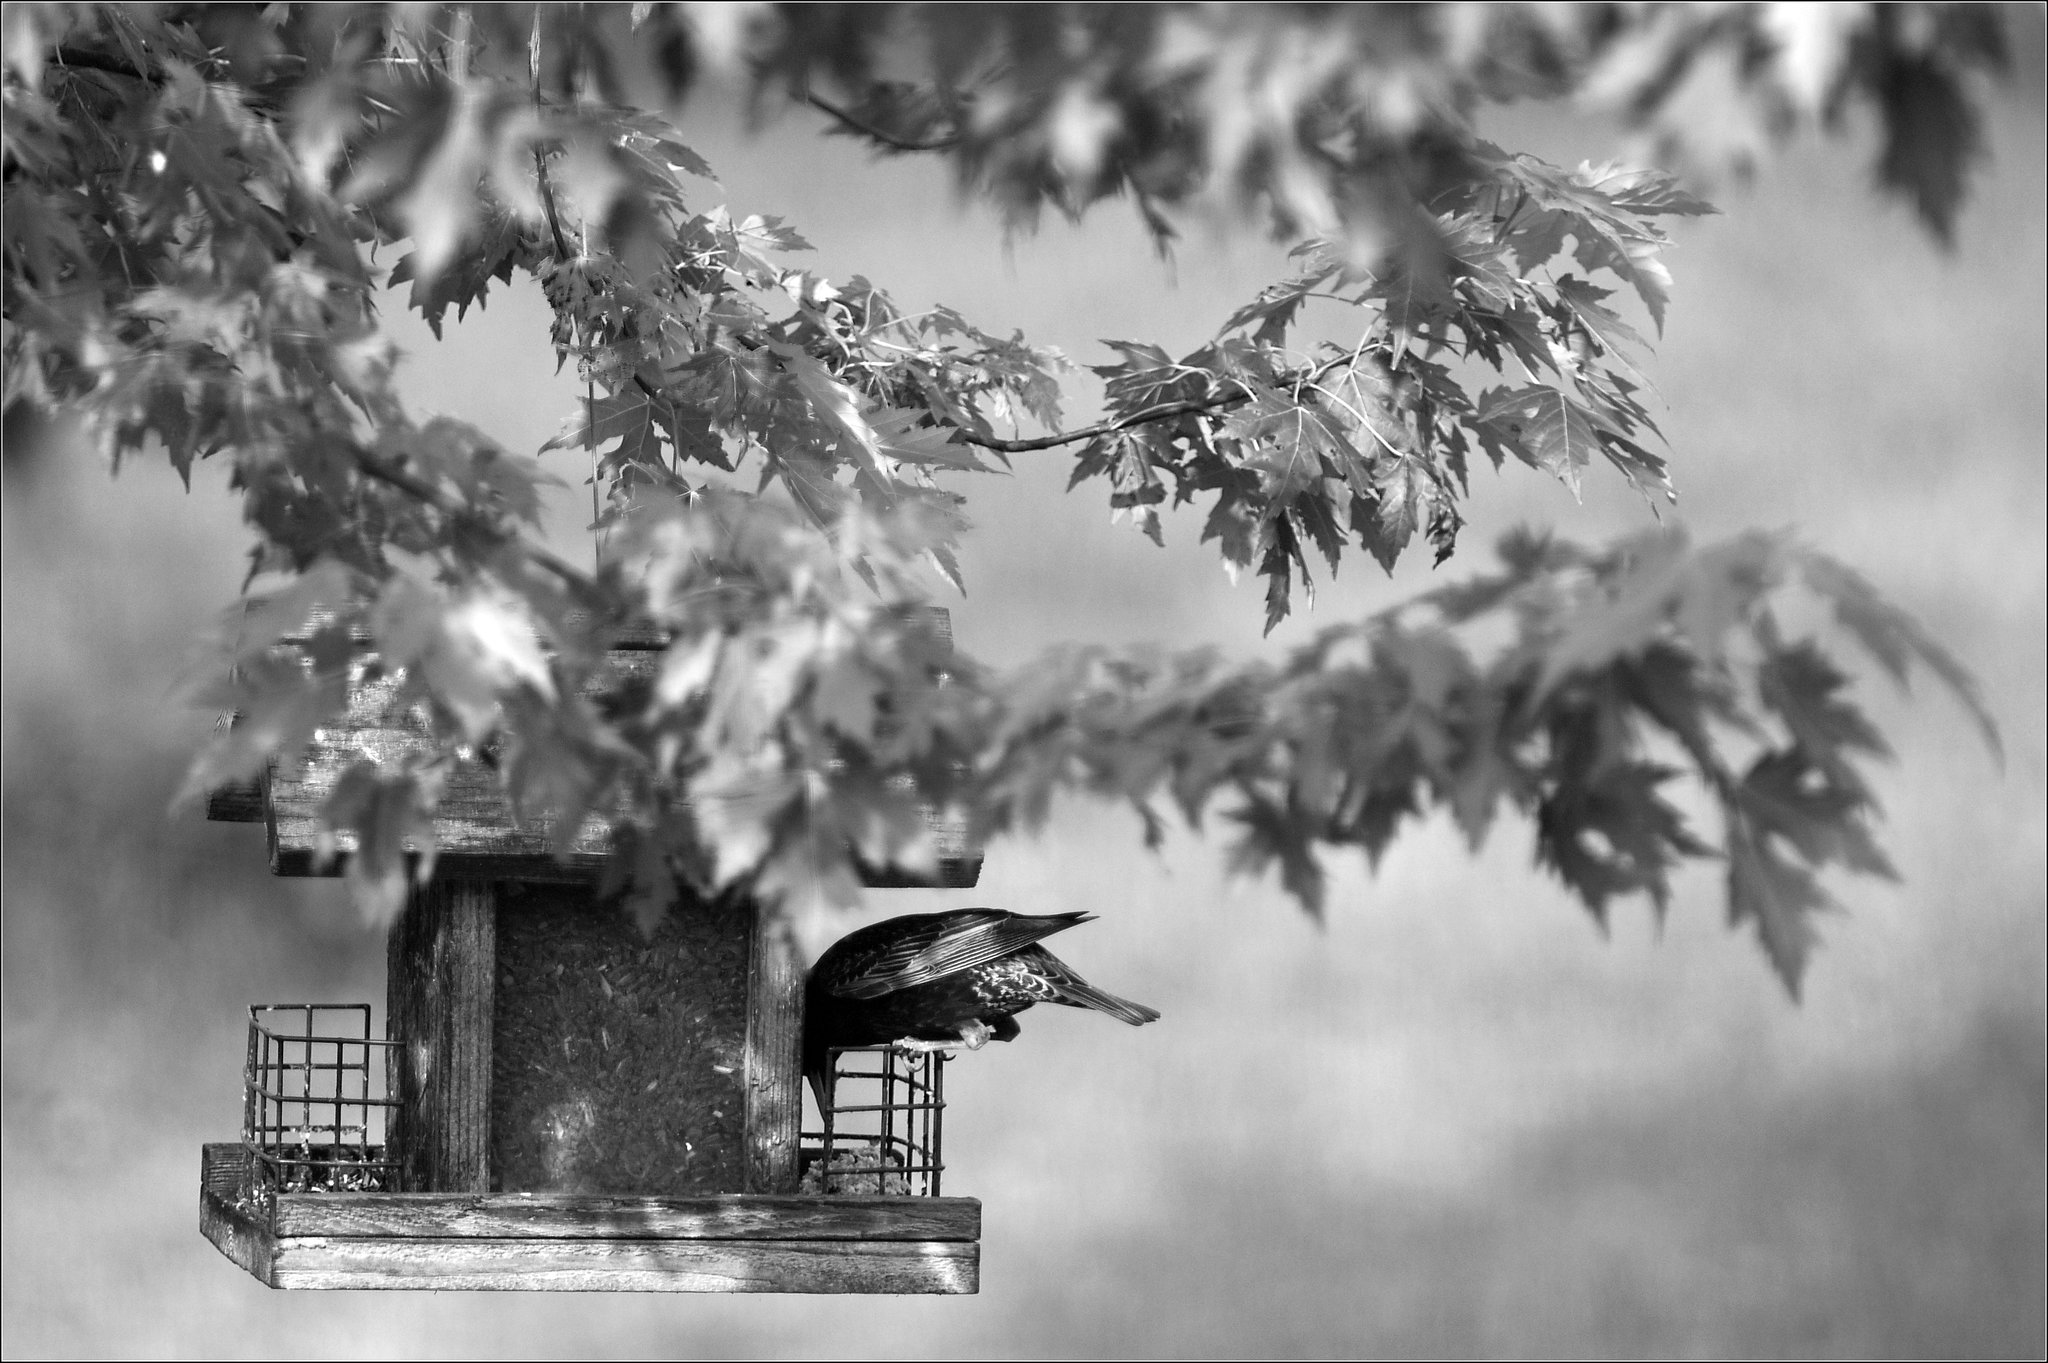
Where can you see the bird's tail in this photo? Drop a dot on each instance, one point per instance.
(1079, 993)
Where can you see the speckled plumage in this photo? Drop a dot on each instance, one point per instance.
(960, 976)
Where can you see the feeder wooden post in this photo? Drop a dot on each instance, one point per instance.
(775, 1024)
(440, 985)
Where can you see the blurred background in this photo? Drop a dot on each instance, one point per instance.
(1455, 1119)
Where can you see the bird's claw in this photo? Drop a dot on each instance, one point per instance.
(910, 1045)
(974, 1034)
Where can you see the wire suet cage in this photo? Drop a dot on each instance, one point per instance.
(315, 1099)
(882, 1124)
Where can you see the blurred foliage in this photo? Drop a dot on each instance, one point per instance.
(191, 192)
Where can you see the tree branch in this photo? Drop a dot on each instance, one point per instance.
(426, 493)
(1047, 442)
(887, 139)
(540, 162)
(1159, 413)
(547, 201)
(100, 61)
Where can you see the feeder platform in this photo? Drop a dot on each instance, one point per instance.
(578, 1242)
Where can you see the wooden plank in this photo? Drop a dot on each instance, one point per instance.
(236, 802)
(230, 1223)
(584, 1216)
(477, 835)
(840, 1266)
(224, 1167)
(240, 1239)
(569, 1243)
(775, 1025)
(441, 972)
(622, 636)
(224, 1171)
(538, 867)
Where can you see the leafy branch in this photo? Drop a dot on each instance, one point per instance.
(184, 267)
(430, 496)
(1610, 657)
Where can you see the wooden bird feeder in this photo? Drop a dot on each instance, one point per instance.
(564, 1104)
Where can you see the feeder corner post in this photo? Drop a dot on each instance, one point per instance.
(775, 1024)
(440, 988)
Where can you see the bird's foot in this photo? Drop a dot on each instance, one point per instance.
(974, 1034)
(910, 1045)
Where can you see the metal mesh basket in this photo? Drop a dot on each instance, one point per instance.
(882, 1123)
(316, 1099)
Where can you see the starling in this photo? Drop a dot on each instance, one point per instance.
(932, 981)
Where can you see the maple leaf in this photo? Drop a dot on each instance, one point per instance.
(255, 625)
(1484, 772)
(1534, 235)
(899, 436)
(1669, 685)
(1586, 304)
(1480, 266)
(1543, 427)
(1724, 586)
(1233, 522)
(1371, 398)
(1286, 444)
(639, 870)
(737, 806)
(1387, 520)
(1893, 637)
(1282, 553)
(1621, 616)
(1779, 896)
(1613, 834)
(776, 234)
(1276, 307)
(1645, 471)
(385, 815)
(846, 696)
(1519, 330)
(1272, 833)
(1645, 191)
(1318, 516)
(1800, 684)
(838, 407)
(1786, 793)
(1931, 134)
(448, 139)
(557, 764)
(278, 704)
(489, 253)
(469, 649)
(1636, 262)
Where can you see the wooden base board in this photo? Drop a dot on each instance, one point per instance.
(568, 1242)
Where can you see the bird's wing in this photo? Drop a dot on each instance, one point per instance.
(1070, 989)
(943, 945)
